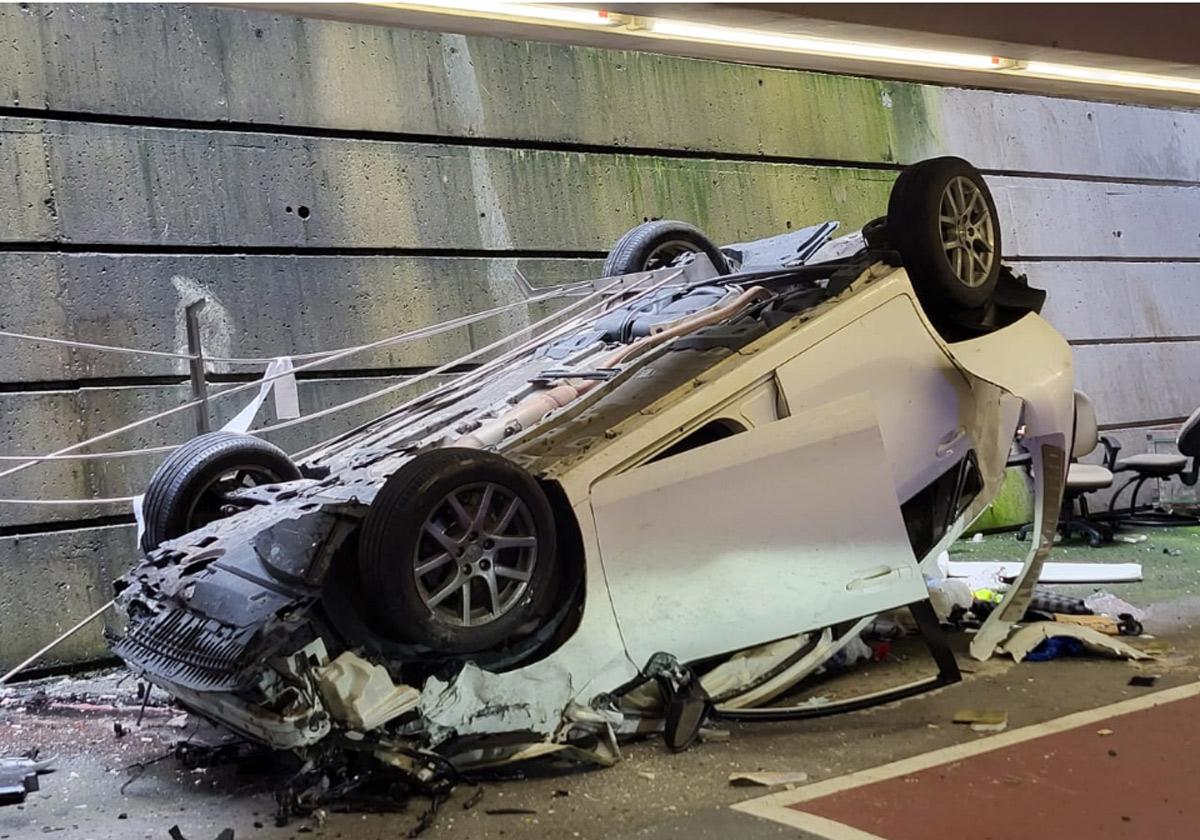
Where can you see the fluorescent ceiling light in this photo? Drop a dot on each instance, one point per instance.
(568, 15)
(533, 12)
(822, 46)
(1101, 76)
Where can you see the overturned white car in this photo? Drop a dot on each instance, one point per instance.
(716, 450)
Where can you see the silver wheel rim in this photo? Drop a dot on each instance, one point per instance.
(476, 554)
(968, 231)
(667, 252)
(207, 506)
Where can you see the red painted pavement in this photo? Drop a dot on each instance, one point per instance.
(1142, 782)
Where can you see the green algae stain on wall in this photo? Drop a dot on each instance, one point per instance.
(635, 99)
(916, 121)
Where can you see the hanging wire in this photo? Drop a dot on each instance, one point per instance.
(412, 335)
(86, 345)
(68, 454)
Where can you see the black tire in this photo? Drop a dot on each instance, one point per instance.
(916, 229)
(394, 539)
(179, 498)
(658, 244)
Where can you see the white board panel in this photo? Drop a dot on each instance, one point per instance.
(1132, 383)
(1088, 301)
(1045, 217)
(1024, 133)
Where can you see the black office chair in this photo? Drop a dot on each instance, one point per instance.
(1083, 479)
(1163, 466)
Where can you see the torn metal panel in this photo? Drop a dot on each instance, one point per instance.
(1049, 477)
(479, 702)
(826, 647)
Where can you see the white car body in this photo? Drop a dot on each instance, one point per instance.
(744, 492)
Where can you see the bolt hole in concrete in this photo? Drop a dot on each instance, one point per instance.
(303, 212)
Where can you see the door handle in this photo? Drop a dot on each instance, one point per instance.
(878, 576)
(949, 444)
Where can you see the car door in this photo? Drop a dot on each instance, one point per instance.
(779, 529)
(923, 400)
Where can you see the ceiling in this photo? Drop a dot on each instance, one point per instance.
(1150, 38)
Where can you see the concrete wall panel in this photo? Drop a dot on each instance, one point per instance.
(258, 67)
(48, 582)
(27, 208)
(1132, 384)
(258, 306)
(150, 186)
(1108, 301)
(159, 187)
(1049, 218)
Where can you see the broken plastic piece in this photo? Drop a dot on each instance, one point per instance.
(18, 777)
(1102, 623)
(362, 694)
(991, 716)
(767, 779)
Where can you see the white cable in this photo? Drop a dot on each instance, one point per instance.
(424, 332)
(117, 500)
(488, 367)
(92, 456)
(106, 348)
(351, 403)
(63, 637)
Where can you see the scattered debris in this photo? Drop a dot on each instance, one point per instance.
(1132, 538)
(1104, 732)
(948, 596)
(646, 774)
(1143, 680)
(1105, 603)
(176, 834)
(1052, 603)
(767, 779)
(504, 812)
(983, 720)
(1123, 625)
(427, 816)
(712, 735)
(474, 799)
(1023, 642)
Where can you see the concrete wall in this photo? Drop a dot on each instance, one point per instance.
(324, 184)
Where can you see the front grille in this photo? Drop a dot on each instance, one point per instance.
(187, 649)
